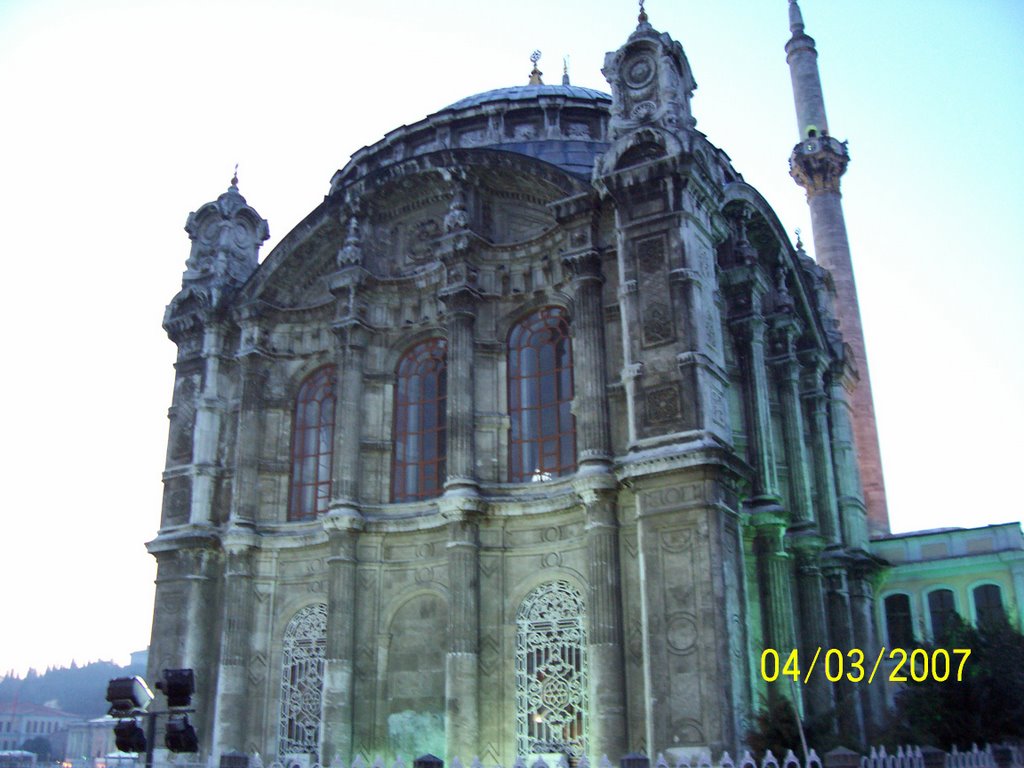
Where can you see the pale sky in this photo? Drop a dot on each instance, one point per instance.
(121, 117)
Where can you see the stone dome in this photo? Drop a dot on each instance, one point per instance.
(564, 125)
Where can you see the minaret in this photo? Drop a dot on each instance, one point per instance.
(817, 163)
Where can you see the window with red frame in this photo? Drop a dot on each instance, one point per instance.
(418, 462)
(312, 445)
(542, 438)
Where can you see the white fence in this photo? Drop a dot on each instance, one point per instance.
(913, 757)
(903, 757)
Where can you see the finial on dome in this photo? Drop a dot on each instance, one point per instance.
(642, 18)
(796, 19)
(234, 178)
(536, 73)
(565, 70)
(799, 242)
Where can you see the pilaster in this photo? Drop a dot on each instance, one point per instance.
(337, 735)
(593, 441)
(460, 324)
(206, 434)
(849, 712)
(850, 502)
(813, 633)
(787, 372)
(774, 576)
(462, 663)
(816, 397)
(605, 631)
(253, 375)
(233, 698)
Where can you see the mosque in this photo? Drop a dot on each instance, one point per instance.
(526, 441)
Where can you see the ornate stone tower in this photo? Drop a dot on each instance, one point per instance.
(213, 552)
(817, 164)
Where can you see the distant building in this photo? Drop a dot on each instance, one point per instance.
(91, 743)
(977, 573)
(139, 659)
(21, 721)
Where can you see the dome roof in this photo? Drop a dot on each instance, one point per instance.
(522, 121)
(524, 92)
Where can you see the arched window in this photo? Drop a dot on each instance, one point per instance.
(898, 622)
(941, 609)
(988, 606)
(418, 461)
(551, 672)
(302, 682)
(312, 446)
(542, 438)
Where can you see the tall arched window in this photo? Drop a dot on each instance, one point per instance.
(312, 446)
(542, 438)
(551, 672)
(302, 682)
(941, 609)
(898, 621)
(418, 461)
(988, 606)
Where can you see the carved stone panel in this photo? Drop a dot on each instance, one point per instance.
(656, 323)
(177, 500)
(662, 405)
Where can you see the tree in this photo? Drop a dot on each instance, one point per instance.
(985, 705)
(41, 746)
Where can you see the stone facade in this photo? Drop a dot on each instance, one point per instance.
(529, 438)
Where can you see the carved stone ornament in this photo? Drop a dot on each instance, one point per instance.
(422, 239)
(650, 255)
(662, 405)
(657, 324)
(351, 253)
(226, 236)
(644, 111)
(640, 71)
(457, 219)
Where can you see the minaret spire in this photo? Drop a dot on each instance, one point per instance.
(817, 164)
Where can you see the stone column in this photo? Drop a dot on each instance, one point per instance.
(824, 478)
(198, 570)
(339, 663)
(862, 611)
(245, 498)
(776, 586)
(348, 416)
(788, 375)
(750, 333)
(605, 635)
(206, 435)
(813, 626)
(593, 443)
(233, 674)
(461, 459)
(848, 708)
(462, 716)
(850, 502)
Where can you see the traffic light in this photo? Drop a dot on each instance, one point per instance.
(180, 736)
(128, 737)
(128, 695)
(178, 686)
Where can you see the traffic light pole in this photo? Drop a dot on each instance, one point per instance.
(150, 737)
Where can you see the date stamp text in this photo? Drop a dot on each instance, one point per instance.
(917, 664)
